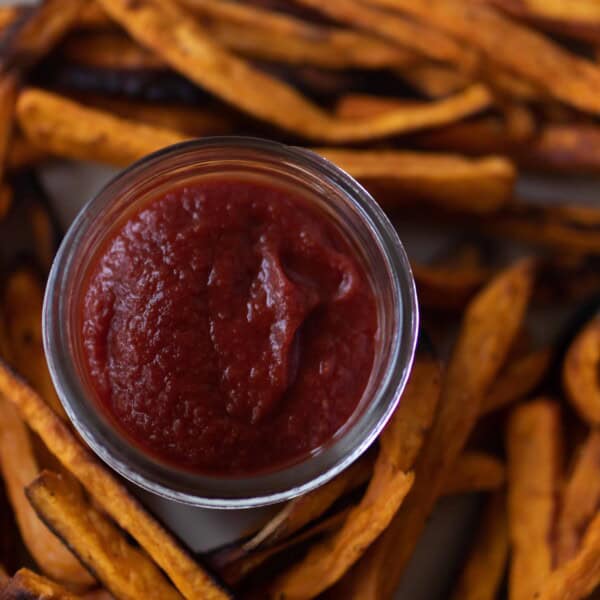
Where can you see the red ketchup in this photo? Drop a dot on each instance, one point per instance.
(228, 328)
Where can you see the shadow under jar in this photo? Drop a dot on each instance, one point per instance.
(187, 309)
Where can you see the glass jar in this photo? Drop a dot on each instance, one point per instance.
(340, 199)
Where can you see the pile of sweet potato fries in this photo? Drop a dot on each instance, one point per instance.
(436, 106)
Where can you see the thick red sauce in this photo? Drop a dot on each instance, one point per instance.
(228, 328)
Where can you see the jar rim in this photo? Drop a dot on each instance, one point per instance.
(136, 465)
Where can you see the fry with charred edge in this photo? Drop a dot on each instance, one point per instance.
(580, 499)
(19, 467)
(6, 199)
(476, 186)
(186, 47)
(566, 227)
(34, 36)
(235, 571)
(269, 35)
(490, 324)
(580, 372)
(192, 121)
(123, 569)
(400, 443)
(421, 39)
(579, 577)
(475, 472)
(107, 50)
(448, 288)
(534, 451)
(8, 98)
(482, 574)
(27, 585)
(565, 76)
(68, 129)
(23, 298)
(191, 580)
(304, 509)
(520, 377)
(580, 20)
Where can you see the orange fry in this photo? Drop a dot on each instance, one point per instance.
(580, 499)
(27, 585)
(475, 472)
(481, 576)
(580, 372)
(534, 448)
(186, 574)
(187, 48)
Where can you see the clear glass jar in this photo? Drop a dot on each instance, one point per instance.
(338, 197)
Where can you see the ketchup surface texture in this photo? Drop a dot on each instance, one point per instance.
(228, 328)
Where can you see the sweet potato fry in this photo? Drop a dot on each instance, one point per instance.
(481, 576)
(91, 16)
(9, 15)
(579, 577)
(192, 121)
(191, 580)
(534, 449)
(19, 467)
(23, 297)
(478, 186)
(65, 128)
(6, 199)
(580, 499)
(448, 288)
(579, 20)
(186, 47)
(489, 327)
(27, 585)
(35, 35)
(520, 377)
(235, 571)
(107, 50)
(434, 80)
(8, 98)
(530, 55)
(580, 372)
(123, 569)
(400, 443)
(278, 37)
(304, 509)
(22, 153)
(565, 227)
(474, 472)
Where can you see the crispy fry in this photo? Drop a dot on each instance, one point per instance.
(274, 36)
(489, 326)
(91, 16)
(579, 577)
(186, 574)
(580, 372)
(65, 128)
(534, 449)
(27, 585)
(482, 574)
(123, 569)
(477, 186)
(565, 227)
(434, 80)
(23, 297)
(185, 46)
(580, 20)
(19, 467)
(192, 121)
(400, 443)
(8, 98)
(34, 36)
(530, 55)
(234, 571)
(475, 472)
(9, 15)
(107, 50)
(580, 499)
(304, 509)
(423, 40)
(448, 288)
(520, 377)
